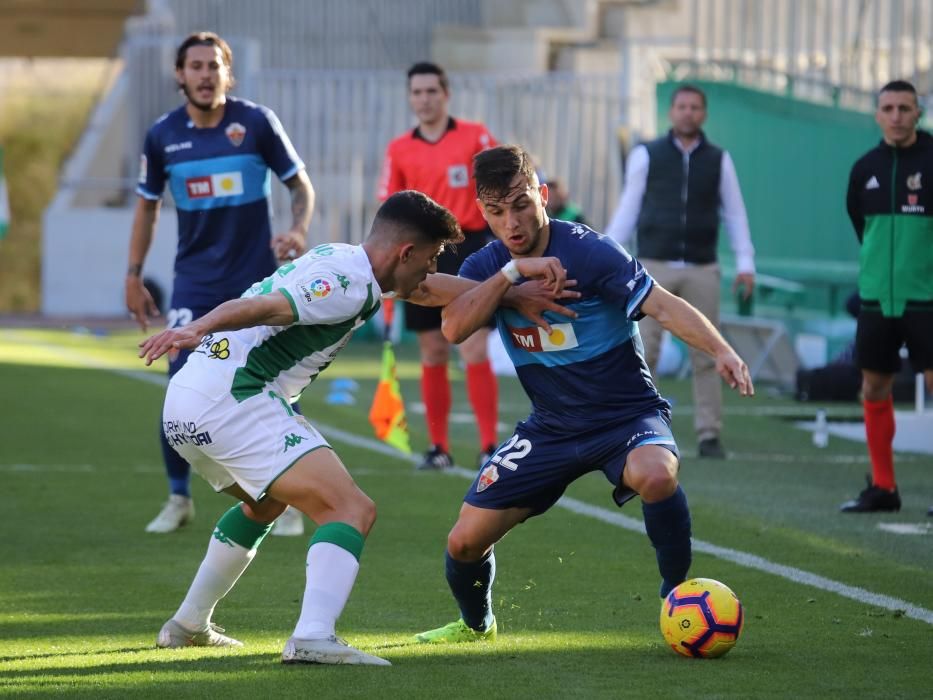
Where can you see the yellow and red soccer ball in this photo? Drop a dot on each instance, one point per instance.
(701, 618)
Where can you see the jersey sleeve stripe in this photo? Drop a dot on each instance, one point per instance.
(292, 171)
(291, 302)
(146, 194)
(638, 297)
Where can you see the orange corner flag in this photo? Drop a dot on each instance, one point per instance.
(387, 413)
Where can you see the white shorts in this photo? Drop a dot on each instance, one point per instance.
(250, 443)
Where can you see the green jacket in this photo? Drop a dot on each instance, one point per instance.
(890, 203)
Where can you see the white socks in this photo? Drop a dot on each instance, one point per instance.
(331, 574)
(223, 564)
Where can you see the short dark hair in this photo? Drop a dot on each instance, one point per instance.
(428, 68)
(692, 89)
(495, 168)
(899, 86)
(204, 39)
(416, 212)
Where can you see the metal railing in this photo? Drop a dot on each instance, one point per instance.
(326, 34)
(341, 123)
(858, 44)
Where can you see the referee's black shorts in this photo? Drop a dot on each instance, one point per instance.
(428, 318)
(878, 339)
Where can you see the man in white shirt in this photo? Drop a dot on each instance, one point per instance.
(678, 189)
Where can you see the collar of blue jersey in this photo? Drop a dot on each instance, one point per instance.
(451, 125)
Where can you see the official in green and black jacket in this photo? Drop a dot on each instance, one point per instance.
(890, 202)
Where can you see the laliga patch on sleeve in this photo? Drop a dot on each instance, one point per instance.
(143, 168)
(319, 288)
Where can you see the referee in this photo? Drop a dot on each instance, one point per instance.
(436, 158)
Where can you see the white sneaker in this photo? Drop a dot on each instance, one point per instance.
(174, 636)
(332, 650)
(177, 511)
(289, 524)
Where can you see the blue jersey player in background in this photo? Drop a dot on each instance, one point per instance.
(594, 406)
(215, 153)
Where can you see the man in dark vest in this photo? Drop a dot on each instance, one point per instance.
(678, 189)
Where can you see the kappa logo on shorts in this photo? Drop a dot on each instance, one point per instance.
(487, 478)
(292, 440)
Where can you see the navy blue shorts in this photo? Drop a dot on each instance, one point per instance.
(534, 467)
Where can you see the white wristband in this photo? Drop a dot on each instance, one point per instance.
(510, 270)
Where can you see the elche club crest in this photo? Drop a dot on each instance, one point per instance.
(487, 478)
(236, 132)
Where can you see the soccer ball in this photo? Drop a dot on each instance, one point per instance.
(701, 618)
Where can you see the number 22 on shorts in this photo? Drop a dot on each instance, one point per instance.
(512, 450)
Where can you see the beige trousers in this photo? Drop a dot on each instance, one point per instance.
(699, 285)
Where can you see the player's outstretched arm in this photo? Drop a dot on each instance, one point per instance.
(473, 309)
(531, 299)
(688, 324)
(439, 289)
(265, 310)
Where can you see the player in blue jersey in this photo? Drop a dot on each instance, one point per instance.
(594, 406)
(215, 153)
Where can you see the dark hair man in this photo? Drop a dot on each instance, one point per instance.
(677, 190)
(214, 152)
(594, 406)
(890, 204)
(436, 158)
(228, 412)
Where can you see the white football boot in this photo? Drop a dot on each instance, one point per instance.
(289, 524)
(174, 636)
(177, 511)
(332, 650)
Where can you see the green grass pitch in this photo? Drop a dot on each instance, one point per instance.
(83, 590)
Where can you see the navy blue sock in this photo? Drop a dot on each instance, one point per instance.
(668, 525)
(471, 584)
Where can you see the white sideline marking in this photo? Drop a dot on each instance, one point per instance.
(750, 561)
(907, 528)
(65, 468)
